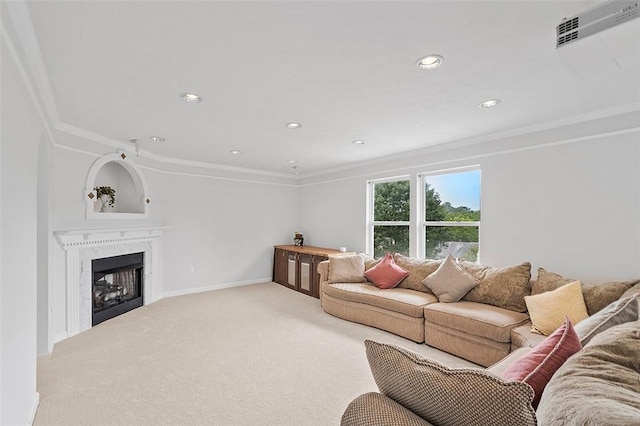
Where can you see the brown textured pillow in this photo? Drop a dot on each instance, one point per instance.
(419, 269)
(548, 281)
(444, 396)
(501, 287)
(599, 296)
(596, 296)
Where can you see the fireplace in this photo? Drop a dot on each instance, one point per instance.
(117, 285)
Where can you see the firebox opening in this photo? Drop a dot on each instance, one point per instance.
(117, 285)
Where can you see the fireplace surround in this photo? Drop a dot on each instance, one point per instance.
(81, 247)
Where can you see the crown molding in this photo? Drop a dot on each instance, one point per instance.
(45, 103)
(500, 136)
(23, 26)
(95, 137)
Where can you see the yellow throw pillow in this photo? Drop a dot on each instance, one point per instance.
(548, 310)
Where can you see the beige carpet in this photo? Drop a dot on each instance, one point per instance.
(253, 355)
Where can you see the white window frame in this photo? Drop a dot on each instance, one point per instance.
(371, 224)
(423, 223)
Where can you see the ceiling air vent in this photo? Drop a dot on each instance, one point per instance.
(602, 40)
(596, 19)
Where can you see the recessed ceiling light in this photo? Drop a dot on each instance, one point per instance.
(293, 125)
(429, 62)
(291, 161)
(191, 97)
(235, 152)
(358, 142)
(157, 138)
(489, 104)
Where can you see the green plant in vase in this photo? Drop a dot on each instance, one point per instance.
(107, 196)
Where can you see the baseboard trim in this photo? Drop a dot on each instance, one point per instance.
(212, 287)
(63, 335)
(34, 408)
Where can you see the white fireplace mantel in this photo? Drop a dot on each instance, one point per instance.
(82, 246)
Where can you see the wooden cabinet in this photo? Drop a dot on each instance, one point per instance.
(296, 267)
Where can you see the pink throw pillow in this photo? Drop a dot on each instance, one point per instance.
(537, 367)
(386, 274)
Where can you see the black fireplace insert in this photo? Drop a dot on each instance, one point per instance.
(117, 285)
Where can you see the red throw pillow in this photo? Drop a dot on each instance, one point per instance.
(537, 367)
(386, 274)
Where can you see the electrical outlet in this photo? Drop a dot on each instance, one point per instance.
(191, 269)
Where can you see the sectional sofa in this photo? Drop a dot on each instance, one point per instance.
(484, 326)
(583, 374)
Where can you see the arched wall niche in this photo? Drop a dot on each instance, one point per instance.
(122, 174)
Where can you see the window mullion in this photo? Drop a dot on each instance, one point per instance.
(444, 223)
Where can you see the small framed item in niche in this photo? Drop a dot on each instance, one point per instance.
(298, 239)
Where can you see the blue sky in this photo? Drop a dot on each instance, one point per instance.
(460, 189)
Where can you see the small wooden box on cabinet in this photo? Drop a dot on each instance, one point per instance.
(296, 267)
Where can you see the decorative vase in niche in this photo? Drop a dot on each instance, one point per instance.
(104, 199)
(107, 196)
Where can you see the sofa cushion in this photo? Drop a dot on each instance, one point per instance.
(523, 337)
(419, 269)
(618, 312)
(346, 268)
(450, 282)
(502, 287)
(386, 274)
(445, 396)
(399, 300)
(600, 385)
(474, 318)
(537, 367)
(596, 296)
(477, 349)
(548, 310)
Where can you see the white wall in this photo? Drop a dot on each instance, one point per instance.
(333, 214)
(21, 132)
(571, 207)
(220, 230)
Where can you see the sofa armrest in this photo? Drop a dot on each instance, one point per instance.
(376, 409)
(323, 270)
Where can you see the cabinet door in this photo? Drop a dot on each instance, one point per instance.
(280, 266)
(292, 259)
(305, 273)
(315, 283)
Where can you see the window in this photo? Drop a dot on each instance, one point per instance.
(389, 216)
(438, 216)
(451, 215)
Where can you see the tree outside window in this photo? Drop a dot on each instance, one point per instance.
(450, 215)
(391, 213)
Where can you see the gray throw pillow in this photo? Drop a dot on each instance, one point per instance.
(618, 312)
(450, 282)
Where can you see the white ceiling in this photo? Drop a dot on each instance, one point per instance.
(344, 69)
